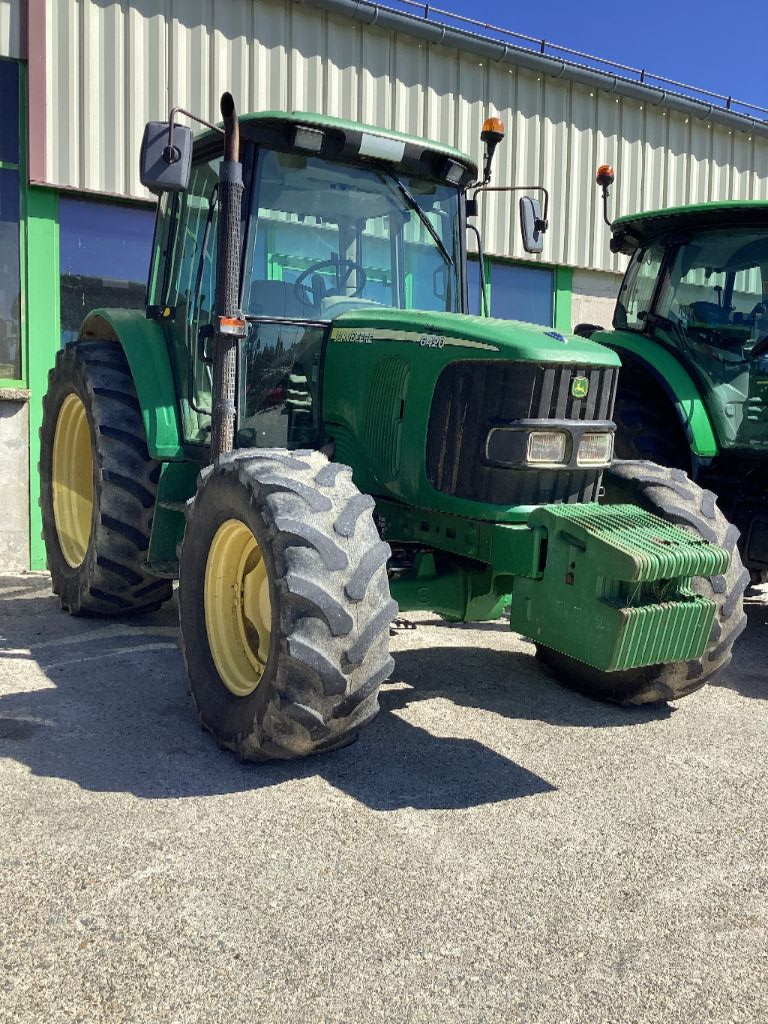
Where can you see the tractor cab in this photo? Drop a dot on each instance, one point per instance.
(334, 218)
(698, 284)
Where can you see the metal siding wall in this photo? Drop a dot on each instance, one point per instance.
(114, 65)
(10, 34)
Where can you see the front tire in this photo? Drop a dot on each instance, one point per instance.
(98, 484)
(673, 496)
(284, 604)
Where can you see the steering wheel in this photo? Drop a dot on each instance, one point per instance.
(759, 348)
(343, 267)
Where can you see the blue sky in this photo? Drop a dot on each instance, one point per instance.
(721, 46)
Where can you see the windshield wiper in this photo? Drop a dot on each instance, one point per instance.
(408, 197)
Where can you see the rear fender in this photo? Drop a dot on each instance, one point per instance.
(146, 350)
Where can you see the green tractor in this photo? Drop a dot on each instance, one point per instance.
(309, 430)
(691, 328)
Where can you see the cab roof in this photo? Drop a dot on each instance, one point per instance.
(636, 229)
(355, 142)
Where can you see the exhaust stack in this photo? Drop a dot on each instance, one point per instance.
(230, 324)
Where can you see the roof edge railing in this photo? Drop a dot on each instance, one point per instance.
(438, 15)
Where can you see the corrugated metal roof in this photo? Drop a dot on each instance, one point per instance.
(440, 27)
(111, 67)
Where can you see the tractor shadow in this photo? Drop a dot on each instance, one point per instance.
(104, 704)
(747, 674)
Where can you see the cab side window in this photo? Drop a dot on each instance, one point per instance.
(191, 294)
(637, 290)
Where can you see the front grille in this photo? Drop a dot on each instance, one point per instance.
(471, 397)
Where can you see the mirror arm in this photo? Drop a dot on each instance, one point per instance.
(542, 224)
(605, 177)
(172, 154)
(481, 258)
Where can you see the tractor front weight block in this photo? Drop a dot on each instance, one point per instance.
(613, 587)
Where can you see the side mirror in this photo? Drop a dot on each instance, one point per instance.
(164, 167)
(532, 224)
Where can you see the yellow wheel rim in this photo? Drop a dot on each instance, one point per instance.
(72, 480)
(238, 609)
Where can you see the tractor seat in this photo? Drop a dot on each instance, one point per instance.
(709, 313)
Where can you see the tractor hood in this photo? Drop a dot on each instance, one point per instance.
(411, 401)
(468, 336)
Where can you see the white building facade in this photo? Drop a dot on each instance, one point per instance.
(85, 75)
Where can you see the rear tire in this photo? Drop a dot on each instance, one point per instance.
(98, 485)
(284, 604)
(673, 496)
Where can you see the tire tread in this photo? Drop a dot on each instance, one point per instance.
(330, 595)
(112, 579)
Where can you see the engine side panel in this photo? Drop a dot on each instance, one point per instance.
(380, 406)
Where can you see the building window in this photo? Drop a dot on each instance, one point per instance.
(516, 292)
(10, 272)
(104, 259)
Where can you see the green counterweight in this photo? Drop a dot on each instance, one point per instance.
(615, 587)
(609, 585)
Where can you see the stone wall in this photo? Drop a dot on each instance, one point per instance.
(14, 479)
(594, 296)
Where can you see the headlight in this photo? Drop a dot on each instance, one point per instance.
(546, 446)
(595, 450)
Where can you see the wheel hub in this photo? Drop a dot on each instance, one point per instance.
(72, 480)
(238, 608)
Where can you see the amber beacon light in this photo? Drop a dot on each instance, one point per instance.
(605, 178)
(491, 135)
(605, 175)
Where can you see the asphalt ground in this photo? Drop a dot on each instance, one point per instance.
(493, 848)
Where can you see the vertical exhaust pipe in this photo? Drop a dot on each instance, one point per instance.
(230, 325)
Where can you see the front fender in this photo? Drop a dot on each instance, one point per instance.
(672, 376)
(144, 344)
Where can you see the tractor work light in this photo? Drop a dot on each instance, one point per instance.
(453, 172)
(308, 139)
(546, 447)
(595, 450)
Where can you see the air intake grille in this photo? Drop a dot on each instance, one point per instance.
(471, 397)
(384, 414)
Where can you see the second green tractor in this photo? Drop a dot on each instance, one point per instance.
(691, 328)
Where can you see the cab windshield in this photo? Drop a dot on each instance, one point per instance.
(715, 292)
(326, 237)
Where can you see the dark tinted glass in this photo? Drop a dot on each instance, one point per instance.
(10, 289)
(104, 258)
(522, 293)
(9, 122)
(473, 283)
(279, 382)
